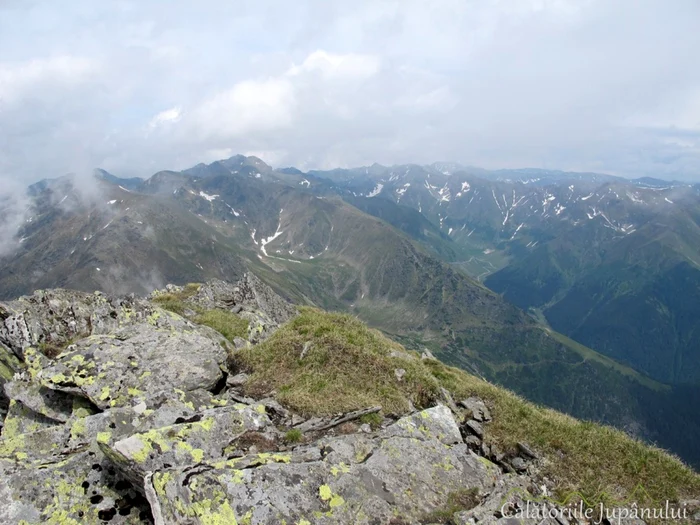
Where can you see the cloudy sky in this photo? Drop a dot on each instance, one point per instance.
(139, 86)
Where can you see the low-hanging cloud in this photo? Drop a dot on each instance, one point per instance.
(135, 87)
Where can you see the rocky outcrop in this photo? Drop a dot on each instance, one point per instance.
(405, 471)
(130, 416)
(248, 297)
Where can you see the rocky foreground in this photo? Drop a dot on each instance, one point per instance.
(120, 411)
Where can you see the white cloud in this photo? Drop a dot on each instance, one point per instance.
(249, 106)
(20, 80)
(349, 66)
(168, 116)
(551, 83)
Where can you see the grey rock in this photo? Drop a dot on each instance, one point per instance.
(20, 419)
(81, 488)
(518, 464)
(275, 409)
(365, 428)
(436, 423)
(449, 400)
(45, 401)
(475, 428)
(237, 380)
(184, 444)
(359, 480)
(399, 373)
(305, 349)
(427, 355)
(60, 316)
(239, 343)
(248, 295)
(9, 366)
(125, 368)
(527, 451)
(477, 407)
(473, 442)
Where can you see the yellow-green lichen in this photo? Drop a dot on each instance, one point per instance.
(104, 394)
(133, 392)
(197, 454)
(160, 480)
(325, 493)
(336, 501)
(153, 318)
(104, 437)
(340, 468)
(78, 428)
(59, 378)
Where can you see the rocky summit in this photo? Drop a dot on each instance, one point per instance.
(223, 404)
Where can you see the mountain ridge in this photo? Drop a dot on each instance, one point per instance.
(216, 223)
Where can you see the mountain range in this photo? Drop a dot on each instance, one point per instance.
(578, 291)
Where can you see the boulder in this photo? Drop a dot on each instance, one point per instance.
(478, 409)
(355, 478)
(82, 488)
(129, 366)
(206, 437)
(475, 428)
(55, 318)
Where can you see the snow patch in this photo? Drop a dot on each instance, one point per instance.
(377, 190)
(208, 197)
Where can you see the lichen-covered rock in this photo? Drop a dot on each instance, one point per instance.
(57, 317)
(83, 488)
(125, 368)
(248, 295)
(206, 437)
(9, 365)
(45, 401)
(434, 423)
(249, 298)
(355, 478)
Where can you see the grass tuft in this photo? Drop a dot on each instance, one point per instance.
(293, 436)
(170, 302)
(373, 420)
(226, 323)
(457, 501)
(347, 367)
(175, 301)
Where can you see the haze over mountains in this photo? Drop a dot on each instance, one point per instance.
(492, 270)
